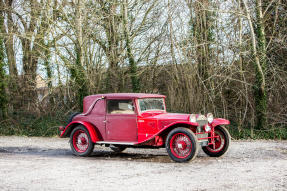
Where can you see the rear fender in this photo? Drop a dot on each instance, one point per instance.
(220, 121)
(91, 128)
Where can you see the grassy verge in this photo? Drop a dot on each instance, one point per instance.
(278, 133)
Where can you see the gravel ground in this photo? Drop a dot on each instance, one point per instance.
(33, 163)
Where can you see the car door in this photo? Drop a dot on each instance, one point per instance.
(121, 120)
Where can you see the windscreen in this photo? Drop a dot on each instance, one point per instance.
(149, 104)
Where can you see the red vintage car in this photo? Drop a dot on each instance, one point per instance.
(121, 120)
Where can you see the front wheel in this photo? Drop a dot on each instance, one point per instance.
(221, 143)
(80, 141)
(181, 145)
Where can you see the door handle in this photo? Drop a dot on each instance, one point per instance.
(105, 121)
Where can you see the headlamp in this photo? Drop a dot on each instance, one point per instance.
(192, 118)
(209, 117)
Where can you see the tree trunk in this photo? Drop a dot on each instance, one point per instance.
(9, 48)
(201, 35)
(112, 22)
(3, 95)
(259, 88)
(30, 59)
(78, 70)
(259, 54)
(29, 81)
(78, 74)
(132, 62)
(49, 73)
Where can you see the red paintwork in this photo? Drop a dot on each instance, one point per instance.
(121, 127)
(153, 124)
(220, 121)
(92, 130)
(147, 128)
(143, 138)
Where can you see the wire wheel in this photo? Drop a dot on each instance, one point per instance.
(80, 142)
(221, 143)
(181, 145)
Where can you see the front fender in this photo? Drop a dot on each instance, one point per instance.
(220, 121)
(168, 128)
(91, 128)
(188, 123)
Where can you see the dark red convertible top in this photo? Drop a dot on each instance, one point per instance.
(88, 100)
(126, 95)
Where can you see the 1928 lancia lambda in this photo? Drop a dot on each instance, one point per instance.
(122, 120)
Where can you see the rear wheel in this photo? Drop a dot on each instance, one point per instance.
(181, 145)
(80, 141)
(117, 148)
(221, 143)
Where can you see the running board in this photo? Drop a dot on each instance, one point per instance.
(115, 143)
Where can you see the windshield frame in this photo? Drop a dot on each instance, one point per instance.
(151, 110)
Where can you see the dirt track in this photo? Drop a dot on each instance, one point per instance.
(48, 164)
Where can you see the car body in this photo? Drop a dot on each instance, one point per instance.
(122, 120)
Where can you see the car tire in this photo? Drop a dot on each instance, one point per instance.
(80, 141)
(117, 148)
(181, 145)
(222, 143)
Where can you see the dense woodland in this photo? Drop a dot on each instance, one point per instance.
(228, 57)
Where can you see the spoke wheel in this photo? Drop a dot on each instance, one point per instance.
(181, 145)
(80, 142)
(221, 143)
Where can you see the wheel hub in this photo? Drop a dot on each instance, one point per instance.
(80, 141)
(181, 145)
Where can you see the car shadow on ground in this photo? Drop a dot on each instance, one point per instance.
(96, 155)
(146, 157)
(35, 151)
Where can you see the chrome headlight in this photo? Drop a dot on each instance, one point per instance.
(209, 117)
(192, 118)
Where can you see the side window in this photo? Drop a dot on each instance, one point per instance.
(120, 107)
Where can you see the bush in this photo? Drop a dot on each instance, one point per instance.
(25, 124)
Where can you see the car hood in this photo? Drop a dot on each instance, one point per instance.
(166, 119)
(170, 116)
